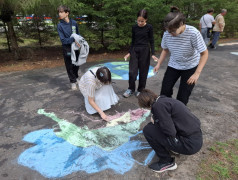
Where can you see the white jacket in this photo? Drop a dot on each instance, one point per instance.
(83, 50)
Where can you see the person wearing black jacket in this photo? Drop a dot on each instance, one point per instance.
(65, 28)
(173, 128)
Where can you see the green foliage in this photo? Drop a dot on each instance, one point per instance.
(221, 163)
(221, 170)
(108, 23)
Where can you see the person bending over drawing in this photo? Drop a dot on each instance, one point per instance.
(95, 85)
(173, 128)
(188, 55)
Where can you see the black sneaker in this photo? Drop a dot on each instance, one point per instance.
(161, 167)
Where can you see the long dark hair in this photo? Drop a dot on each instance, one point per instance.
(142, 13)
(146, 98)
(104, 75)
(174, 19)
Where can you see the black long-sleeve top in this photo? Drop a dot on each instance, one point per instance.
(143, 36)
(174, 118)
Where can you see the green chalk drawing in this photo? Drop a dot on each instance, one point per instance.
(124, 118)
(107, 138)
(115, 76)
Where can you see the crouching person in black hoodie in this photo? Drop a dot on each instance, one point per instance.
(173, 128)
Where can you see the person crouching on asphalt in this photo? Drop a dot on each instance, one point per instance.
(173, 128)
(95, 85)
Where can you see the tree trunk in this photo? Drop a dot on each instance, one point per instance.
(8, 43)
(102, 37)
(38, 30)
(13, 40)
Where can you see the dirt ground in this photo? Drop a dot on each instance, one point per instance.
(214, 100)
(48, 57)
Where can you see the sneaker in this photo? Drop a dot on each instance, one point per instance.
(128, 93)
(161, 167)
(73, 86)
(137, 93)
(212, 47)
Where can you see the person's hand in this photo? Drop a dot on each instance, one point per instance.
(126, 56)
(193, 79)
(156, 68)
(77, 44)
(152, 120)
(104, 116)
(155, 58)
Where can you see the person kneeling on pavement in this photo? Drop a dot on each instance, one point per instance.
(173, 128)
(99, 96)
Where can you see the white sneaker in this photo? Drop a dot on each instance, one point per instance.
(128, 93)
(137, 93)
(73, 86)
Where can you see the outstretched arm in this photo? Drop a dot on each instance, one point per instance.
(203, 60)
(161, 59)
(95, 106)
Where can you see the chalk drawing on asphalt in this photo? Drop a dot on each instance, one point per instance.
(235, 53)
(57, 154)
(120, 70)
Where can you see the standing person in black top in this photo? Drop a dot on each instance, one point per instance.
(173, 128)
(142, 42)
(65, 28)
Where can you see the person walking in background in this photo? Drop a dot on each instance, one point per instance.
(95, 85)
(173, 128)
(205, 25)
(139, 53)
(65, 28)
(188, 55)
(218, 28)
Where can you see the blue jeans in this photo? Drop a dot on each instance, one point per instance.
(204, 35)
(216, 36)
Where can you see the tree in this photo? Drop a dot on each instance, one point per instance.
(7, 11)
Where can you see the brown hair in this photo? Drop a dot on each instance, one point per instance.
(174, 19)
(146, 98)
(104, 75)
(210, 10)
(142, 13)
(64, 8)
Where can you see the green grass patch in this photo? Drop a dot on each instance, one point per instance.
(221, 162)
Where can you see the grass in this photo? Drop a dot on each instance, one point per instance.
(31, 42)
(222, 162)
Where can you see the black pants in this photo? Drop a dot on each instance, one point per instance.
(170, 78)
(161, 143)
(139, 60)
(71, 69)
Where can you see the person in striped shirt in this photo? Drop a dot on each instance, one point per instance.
(95, 85)
(188, 55)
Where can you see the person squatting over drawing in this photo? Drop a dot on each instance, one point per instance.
(139, 53)
(173, 128)
(189, 55)
(95, 85)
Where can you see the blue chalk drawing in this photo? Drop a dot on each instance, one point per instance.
(120, 70)
(53, 157)
(235, 53)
